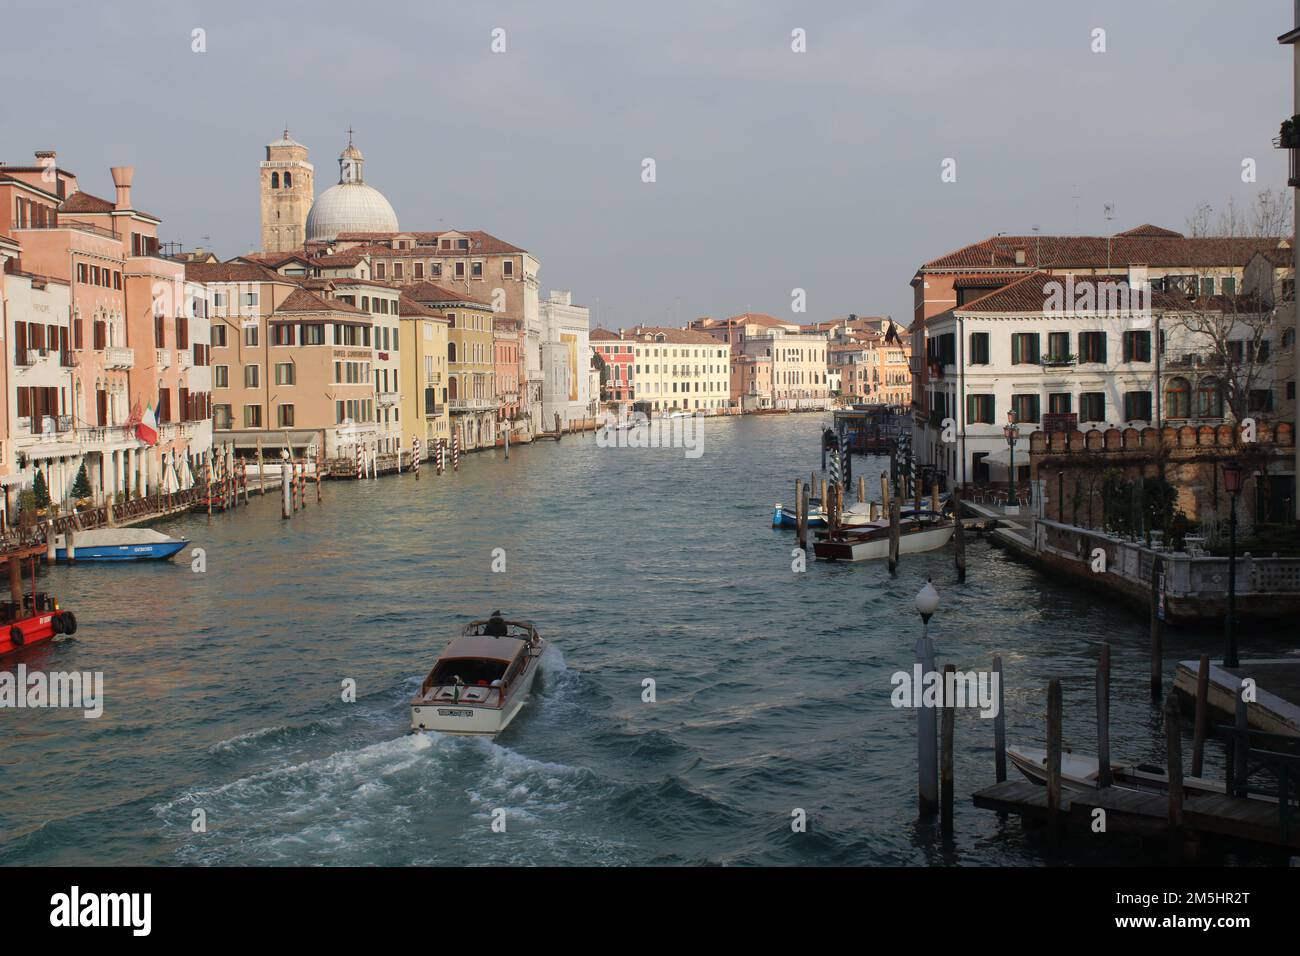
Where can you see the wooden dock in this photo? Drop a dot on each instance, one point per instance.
(1235, 819)
(1276, 707)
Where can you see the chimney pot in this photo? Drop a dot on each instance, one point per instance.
(122, 176)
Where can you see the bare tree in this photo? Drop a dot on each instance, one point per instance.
(1270, 216)
(1228, 338)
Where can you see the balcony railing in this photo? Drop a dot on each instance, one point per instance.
(1057, 361)
(388, 398)
(472, 404)
(434, 411)
(164, 358)
(45, 424)
(103, 434)
(184, 360)
(118, 357)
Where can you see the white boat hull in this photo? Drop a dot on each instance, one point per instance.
(469, 716)
(878, 547)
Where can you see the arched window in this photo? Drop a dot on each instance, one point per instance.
(275, 180)
(1178, 398)
(451, 351)
(288, 180)
(1209, 398)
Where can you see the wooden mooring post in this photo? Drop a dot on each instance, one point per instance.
(802, 519)
(1157, 629)
(959, 538)
(894, 520)
(261, 471)
(946, 748)
(1174, 746)
(1202, 719)
(999, 728)
(862, 488)
(286, 489)
(1053, 750)
(1103, 716)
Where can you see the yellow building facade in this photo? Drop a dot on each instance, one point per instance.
(424, 376)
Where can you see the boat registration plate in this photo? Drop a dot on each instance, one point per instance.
(446, 712)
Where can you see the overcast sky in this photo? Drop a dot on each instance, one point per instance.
(775, 169)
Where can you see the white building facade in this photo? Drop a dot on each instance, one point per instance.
(566, 360)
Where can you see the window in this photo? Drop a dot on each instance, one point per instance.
(397, 272)
(1209, 398)
(460, 270)
(419, 270)
(285, 374)
(248, 299)
(275, 180)
(1058, 346)
(1137, 406)
(476, 270)
(1207, 285)
(507, 267)
(979, 409)
(1229, 285)
(1025, 408)
(1059, 403)
(313, 334)
(252, 376)
(1092, 347)
(1137, 346)
(1024, 348)
(250, 335)
(284, 416)
(221, 417)
(220, 376)
(252, 416)
(219, 336)
(1260, 400)
(1178, 398)
(379, 271)
(282, 334)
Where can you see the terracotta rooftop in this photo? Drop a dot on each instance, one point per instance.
(406, 306)
(1100, 252)
(85, 202)
(231, 272)
(300, 300)
(427, 292)
(1034, 292)
(479, 242)
(673, 336)
(602, 335)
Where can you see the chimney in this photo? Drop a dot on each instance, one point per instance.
(122, 180)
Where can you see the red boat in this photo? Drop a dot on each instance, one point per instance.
(32, 617)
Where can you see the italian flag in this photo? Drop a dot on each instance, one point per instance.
(147, 428)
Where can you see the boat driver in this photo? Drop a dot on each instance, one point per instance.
(496, 625)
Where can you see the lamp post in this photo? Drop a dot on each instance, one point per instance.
(1232, 484)
(927, 757)
(1012, 436)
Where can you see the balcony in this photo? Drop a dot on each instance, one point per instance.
(434, 411)
(100, 436)
(472, 404)
(45, 425)
(164, 358)
(117, 357)
(184, 360)
(1057, 361)
(388, 398)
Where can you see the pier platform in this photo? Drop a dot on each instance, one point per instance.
(1231, 819)
(1276, 708)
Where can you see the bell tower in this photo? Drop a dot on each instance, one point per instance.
(287, 190)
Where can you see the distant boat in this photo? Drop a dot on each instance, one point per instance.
(119, 544)
(783, 517)
(917, 533)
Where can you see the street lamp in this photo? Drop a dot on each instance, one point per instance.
(927, 757)
(1012, 435)
(1232, 484)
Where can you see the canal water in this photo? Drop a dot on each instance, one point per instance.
(224, 688)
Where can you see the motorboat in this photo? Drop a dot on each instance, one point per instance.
(118, 544)
(480, 680)
(918, 532)
(1080, 773)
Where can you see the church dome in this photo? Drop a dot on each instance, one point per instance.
(349, 207)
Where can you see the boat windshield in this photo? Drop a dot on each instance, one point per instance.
(470, 670)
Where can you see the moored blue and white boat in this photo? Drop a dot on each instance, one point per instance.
(118, 544)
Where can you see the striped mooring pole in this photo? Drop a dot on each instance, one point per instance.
(441, 455)
(455, 451)
(415, 458)
(361, 468)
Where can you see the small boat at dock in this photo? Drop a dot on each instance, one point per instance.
(919, 532)
(480, 680)
(29, 617)
(1080, 772)
(118, 544)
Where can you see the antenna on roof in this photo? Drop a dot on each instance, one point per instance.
(1108, 211)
